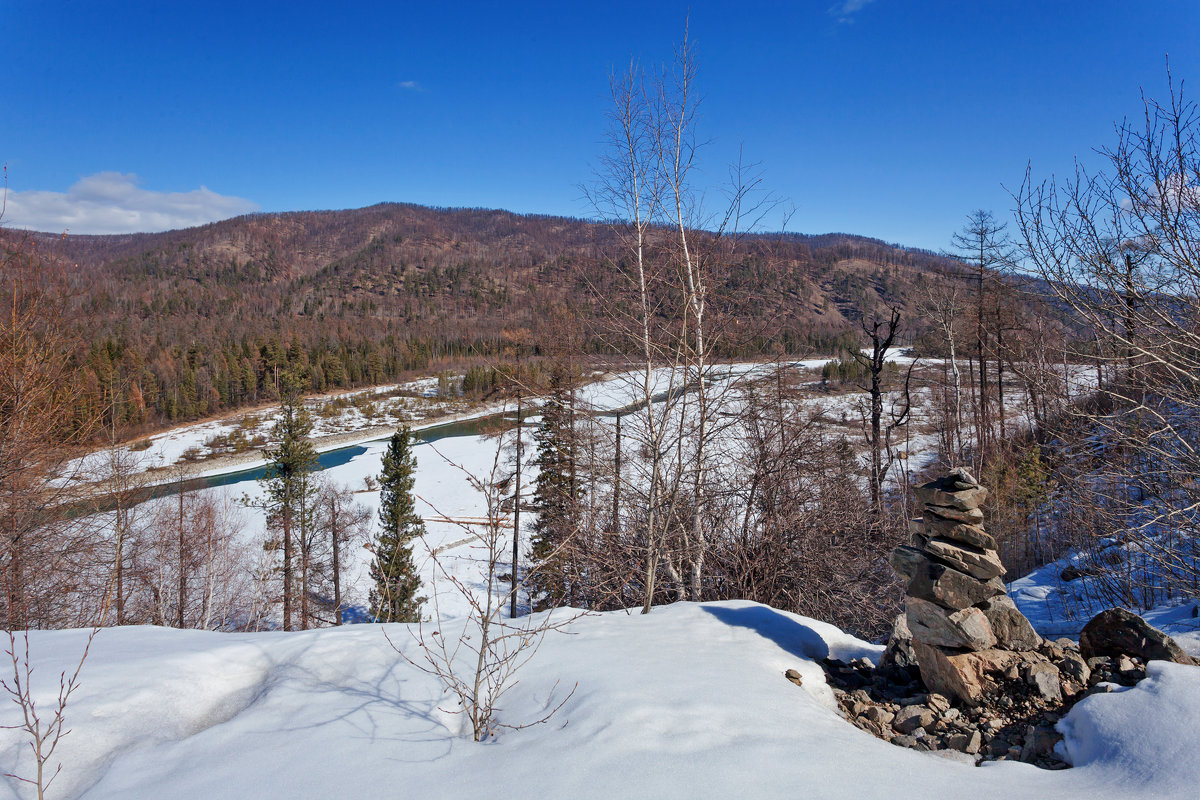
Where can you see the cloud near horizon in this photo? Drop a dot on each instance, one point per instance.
(113, 202)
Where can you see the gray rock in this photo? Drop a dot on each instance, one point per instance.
(932, 624)
(942, 584)
(1118, 632)
(982, 564)
(1073, 668)
(899, 650)
(879, 715)
(965, 742)
(911, 718)
(906, 561)
(1010, 627)
(959, 532)
(1044, 677)
(938, 703)
(1039, 743)
(971, 516)
(946, 492)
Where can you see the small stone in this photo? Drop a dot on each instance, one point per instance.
(1125, 664)
(1039, 743)
(1073, 668)
(794, 677)
(1044, 677)
(938, 703)
(911, 718)
(899, 651)
(880, 715)
(904, 740)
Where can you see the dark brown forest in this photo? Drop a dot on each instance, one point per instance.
(185, 324)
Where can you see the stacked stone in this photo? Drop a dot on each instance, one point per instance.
(961, 622)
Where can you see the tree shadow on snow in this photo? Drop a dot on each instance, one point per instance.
(797, 639)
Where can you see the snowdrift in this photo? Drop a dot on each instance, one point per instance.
(689, 701)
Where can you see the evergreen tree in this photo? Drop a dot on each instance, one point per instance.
(394, 598)
(286, 479)
(556, 501)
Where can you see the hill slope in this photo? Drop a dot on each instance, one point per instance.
(200, 320)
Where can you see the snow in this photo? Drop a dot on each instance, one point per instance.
(689, 701)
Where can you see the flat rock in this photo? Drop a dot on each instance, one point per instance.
(967, 676)
(972, 516)
(1010, 627)
(1117, 632)
(957, 531)
(942, 584)
(982, 564)
(931, 623)
(946, 491)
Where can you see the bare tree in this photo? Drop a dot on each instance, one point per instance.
(479, 666)
(1120, 248)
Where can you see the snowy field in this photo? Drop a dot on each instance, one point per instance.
(687, 702)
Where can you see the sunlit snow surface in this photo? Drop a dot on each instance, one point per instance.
(689, 701)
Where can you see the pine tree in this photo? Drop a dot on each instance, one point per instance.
(286, 480)
(556, 501)
(394, 598)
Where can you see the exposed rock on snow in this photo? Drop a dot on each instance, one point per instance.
(1118, 632)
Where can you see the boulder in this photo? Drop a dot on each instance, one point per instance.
(946, 586)
(1010, 627)
(1118, 632)
(982, 564)
(959, 532)
(966, 676)
(966, 629)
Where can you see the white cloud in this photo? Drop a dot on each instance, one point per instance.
(844, 10)
(113, 202)
(412, 86)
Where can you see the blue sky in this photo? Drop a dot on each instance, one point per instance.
(881, 117)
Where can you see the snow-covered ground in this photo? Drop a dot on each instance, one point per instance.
(689, 701)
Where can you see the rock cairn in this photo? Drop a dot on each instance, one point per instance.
(964, 673)
(961, 624)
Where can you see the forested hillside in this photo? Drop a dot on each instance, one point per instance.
(188, 323)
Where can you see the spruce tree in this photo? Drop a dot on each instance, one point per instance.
(556, 501)
(394, 598)
(286, 481)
